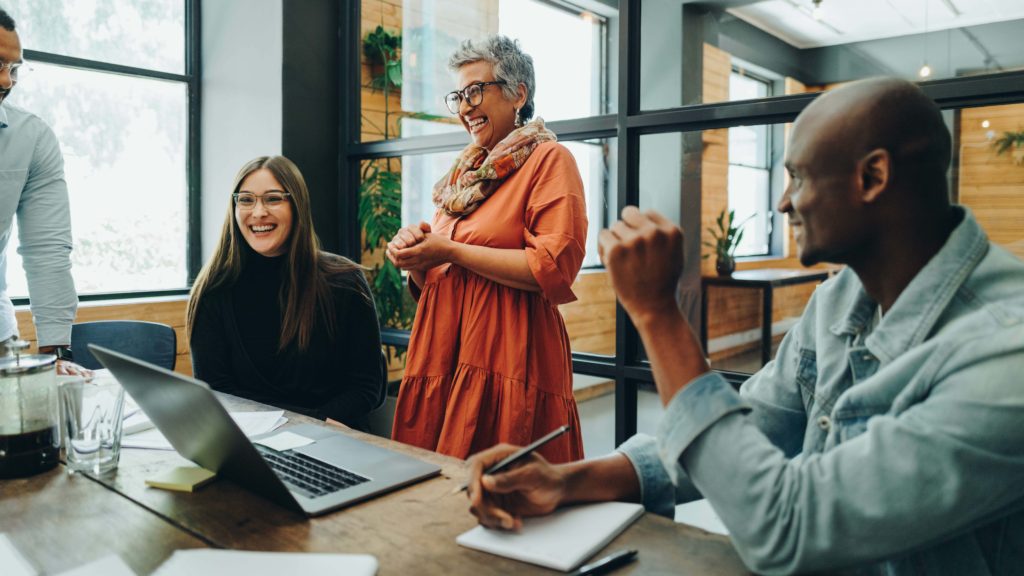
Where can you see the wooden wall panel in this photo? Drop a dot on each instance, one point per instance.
(993, 186)
(590, 320)
(170, 311)
(715, 158)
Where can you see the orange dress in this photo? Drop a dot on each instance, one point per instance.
(488, 363)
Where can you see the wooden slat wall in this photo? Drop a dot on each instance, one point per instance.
(386, 13)
(170, 311)
(456, 18)
(715, 159)
(993, 186)
(590, 320)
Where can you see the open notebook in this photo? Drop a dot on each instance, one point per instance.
(562, 540)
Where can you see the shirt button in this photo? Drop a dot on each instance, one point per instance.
(824, 422)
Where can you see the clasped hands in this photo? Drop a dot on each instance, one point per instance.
(416, 248)
(643, 253)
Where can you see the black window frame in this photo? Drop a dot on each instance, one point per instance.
(629, 368)
(192, 79)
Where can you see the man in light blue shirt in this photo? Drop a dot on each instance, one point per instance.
(887, 437)
(32, 187)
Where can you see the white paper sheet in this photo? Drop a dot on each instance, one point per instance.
(111, 565)
(251, 423)
(135, 420)
(238, 563)
(285, 441)
(699, 513)
(12, 563)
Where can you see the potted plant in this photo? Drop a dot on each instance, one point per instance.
(726, 238)
(1014, 140)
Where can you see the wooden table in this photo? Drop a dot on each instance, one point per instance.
(59, 522)
(410, 531)
(766, 279)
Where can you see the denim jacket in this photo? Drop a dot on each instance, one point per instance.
(892, 450)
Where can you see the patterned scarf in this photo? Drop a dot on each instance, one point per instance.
(476, 174)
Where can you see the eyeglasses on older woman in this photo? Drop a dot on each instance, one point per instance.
(472, 94)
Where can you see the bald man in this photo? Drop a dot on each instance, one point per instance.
(888, 434)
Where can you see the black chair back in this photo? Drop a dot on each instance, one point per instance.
(155, 343)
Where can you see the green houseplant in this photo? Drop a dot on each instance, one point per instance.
(380, 190)
(1012, 142)
(725, 238)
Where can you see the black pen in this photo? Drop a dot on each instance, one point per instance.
(520, 454)
(606, 564)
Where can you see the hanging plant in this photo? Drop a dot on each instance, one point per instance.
(1012, 142)
(380, 189)
(382, 49)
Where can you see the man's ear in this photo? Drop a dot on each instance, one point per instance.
(875, 174)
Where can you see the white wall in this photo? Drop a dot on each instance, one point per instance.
(241, 100)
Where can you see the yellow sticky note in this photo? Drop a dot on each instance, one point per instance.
(182, 478)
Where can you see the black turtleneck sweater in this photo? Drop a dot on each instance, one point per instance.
(235, 346)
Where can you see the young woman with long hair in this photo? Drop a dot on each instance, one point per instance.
(274, 318)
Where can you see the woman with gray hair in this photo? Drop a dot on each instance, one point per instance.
(489, 358)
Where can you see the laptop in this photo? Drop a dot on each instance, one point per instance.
(333, 472)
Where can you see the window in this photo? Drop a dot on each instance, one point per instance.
(563, 91)
(669, 144)
(405, 64)
(403, 53)
(750, 170)
(119, 94)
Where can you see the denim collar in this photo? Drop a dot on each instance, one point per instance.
(917, 309)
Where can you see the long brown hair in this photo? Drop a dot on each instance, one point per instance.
(306, 293)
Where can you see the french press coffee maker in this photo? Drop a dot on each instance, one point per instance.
(29, 437)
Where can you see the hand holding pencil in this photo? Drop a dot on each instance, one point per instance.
(500, 499)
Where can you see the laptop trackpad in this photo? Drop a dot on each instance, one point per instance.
(348, 453)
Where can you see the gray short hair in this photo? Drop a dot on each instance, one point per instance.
(511, 65)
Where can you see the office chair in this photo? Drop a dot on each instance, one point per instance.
(155, 343)
(383, 414)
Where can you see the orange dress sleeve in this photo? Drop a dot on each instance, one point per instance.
(556, 224)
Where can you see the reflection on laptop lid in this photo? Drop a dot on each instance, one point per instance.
(333, 471)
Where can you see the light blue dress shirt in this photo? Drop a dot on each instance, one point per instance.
(32, 187)
(895, 448)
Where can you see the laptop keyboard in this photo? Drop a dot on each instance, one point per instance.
(309, 476)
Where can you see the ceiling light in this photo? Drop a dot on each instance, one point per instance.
(985, 123)
(925, 70)
(816, 12)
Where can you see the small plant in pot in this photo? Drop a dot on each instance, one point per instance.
(725, 241)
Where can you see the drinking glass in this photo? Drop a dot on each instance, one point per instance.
(91, 411)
